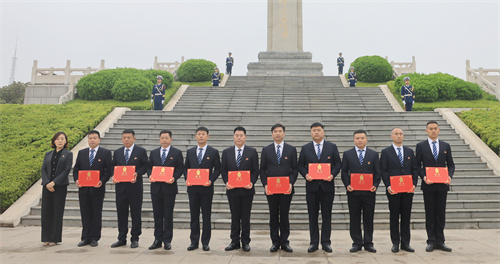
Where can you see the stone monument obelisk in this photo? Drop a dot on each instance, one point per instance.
(285, 55)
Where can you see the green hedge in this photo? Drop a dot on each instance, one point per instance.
(372, 69)
(486, 124)
(195, 70)
(132, 88)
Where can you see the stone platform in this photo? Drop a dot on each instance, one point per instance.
(285, 64)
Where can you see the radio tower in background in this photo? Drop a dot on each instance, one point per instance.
(13, 71)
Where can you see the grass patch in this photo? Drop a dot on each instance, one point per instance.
(486, 124)
(364, 84)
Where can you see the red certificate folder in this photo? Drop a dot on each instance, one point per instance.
(402, 183)
(197, 176)
(319, 171)
(161, 174)
(437, 174)
(361, 181)
(124, 173)
(89, 178)
(278, 185)
(238, 179)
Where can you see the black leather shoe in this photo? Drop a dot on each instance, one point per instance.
(443, 247)
(395, 248)
(274, 248)
(430, 247)
(232, 246)
(370, 249)
(192, 247)
(206, 248)
(355, 249)
(156, 244)
(287, 248)
(167, 246)
(327, 248)
(83, 243)
(312, 248)
(407, 248)
(119, 243)
(134, 244)
(245, 247)
(93, 243)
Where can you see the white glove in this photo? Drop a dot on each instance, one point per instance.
(404, 102)
(151, 100)
(162, 101)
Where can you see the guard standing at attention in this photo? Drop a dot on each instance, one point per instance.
(158, 94)
(352, 78)
(216, 77)
(229, 64)
(408, 94)
(340, 63)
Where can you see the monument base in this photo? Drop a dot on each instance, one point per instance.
(285, 64)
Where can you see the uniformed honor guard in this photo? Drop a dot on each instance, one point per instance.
(229, 64)
(158, 94)
(216, 77)
(353, 79)
(340, 63)
(407, 94)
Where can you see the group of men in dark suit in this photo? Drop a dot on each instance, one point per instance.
(278, 159)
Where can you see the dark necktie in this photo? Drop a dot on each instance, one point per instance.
(127, 156)
(319, 151)
(200, 157)
(434, 150)
(238, 159)
(400, 156)
(91, 158)
(278, 154)
(360, 156)
(163, 156)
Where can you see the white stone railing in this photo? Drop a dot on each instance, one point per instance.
(402, 68)
(167, 66)
(488, 82)
(66, 75)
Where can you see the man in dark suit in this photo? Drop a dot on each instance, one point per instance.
(361, 159)
(200, 197)
(163, 193)
(91, 198)
(394, 161)
(319, 193)
(435, 153)
(240, 157)
(129, 194)
(279, 159)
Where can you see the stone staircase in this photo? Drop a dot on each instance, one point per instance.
(297, 102)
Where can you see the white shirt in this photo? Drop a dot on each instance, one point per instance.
(281, 147)
(95, 152)
(130, 152)
(166, 152)
(362, 153)
(315, 145)
(236, 151)
(430, 144)
(202, 152)
(396, 149)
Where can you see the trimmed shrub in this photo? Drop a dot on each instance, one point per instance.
(151, 74)
(372, 69)
(486, 124)
(132, 88)
(196, 70)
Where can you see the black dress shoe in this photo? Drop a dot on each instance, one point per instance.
(327, 248)
(407, 248)
(287, 248)
(274, 248)
(245, 247)
(395, 248)
(119, 243)
(355, 249)
(167, 246)
(443, 247)
(93, 243)
(430, 247)
(134, 244)
(232, 246)
(192, 247)
(312, 248)
(370, 249)
(206, 248)
(156, 244)
(83, 243)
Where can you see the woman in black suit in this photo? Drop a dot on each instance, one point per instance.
(55, 170)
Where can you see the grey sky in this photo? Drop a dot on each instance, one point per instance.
(441, 34)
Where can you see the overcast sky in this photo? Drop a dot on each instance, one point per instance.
(440, 34)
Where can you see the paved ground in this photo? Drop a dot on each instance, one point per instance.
(21, 245)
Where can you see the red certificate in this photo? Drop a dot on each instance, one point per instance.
(437, 174)
(89, 178)
(197, 176)
(319, 171)
(162, 174)
(238, 179)
(278, 185)
(361, 181)
(124, 173)
(402, 183)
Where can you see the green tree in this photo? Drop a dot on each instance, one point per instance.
(13, 93)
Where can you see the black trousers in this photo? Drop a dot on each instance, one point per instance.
(241, 207)
(315, 201)
(163, 213)
(125, 201)
(229, 69)
(400, 205)
(201, 201)
(52, 213)
(341, 69)
(435, 215)
(91, 200)
(279, 207)
(366, 204)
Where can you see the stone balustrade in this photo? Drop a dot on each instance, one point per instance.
(167, 66)
(487, 79)
(402, 68)
(65, 75)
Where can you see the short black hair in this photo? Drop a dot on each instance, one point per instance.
(360, 131)
(202, 128)
(240, 128)
(94, 132)
(276, 126)
(128, 131)
(432, 122)
(166, 131)
(317, 124)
